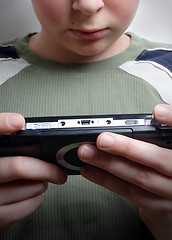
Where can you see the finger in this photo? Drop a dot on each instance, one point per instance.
(20, 190)
(17, 211)
(14, 168)
(10, 122)
(137, 174)
(163, 113)
(133, 193)
(137, 151)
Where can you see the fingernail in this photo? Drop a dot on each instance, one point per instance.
(106, 141)
(87, 152)
(161, 111)
(15, 120)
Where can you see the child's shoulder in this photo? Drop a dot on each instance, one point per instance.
(7, 50)
(146, 43)
(156, 53)
(10, 61)
(156, 44)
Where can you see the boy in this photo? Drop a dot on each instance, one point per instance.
(82, 63)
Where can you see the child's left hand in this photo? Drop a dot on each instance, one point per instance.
(139, 171)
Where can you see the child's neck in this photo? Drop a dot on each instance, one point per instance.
(50, 50)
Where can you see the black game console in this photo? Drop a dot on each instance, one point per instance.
(56, 139)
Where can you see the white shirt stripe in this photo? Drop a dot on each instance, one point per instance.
(153, 73)
(10, 67)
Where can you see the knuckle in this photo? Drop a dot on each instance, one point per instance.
(164, 209)
(142, 177)
(128, 147)
(17, 166)
(163, 163)
(159, 164)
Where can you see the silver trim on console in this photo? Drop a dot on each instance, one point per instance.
(85, 123)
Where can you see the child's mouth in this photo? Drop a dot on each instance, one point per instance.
(89, 34)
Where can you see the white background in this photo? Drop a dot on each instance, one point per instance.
(153, 20)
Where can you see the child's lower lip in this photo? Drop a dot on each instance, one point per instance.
(95, 34)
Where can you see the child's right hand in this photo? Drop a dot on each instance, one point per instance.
(22, 179)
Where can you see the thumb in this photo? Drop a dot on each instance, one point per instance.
(163, 113)
(10, 122)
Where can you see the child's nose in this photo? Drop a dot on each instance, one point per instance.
(88, 7)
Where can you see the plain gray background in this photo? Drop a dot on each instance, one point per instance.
(153, 20)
